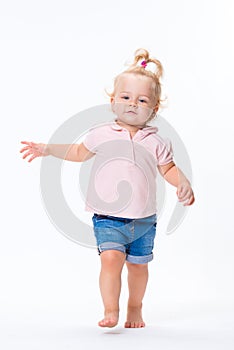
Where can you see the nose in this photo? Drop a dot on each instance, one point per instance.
(133, 103)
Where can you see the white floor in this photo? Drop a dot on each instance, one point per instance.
(209, 328)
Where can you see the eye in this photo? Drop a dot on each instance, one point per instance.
(125, 97)
(142, 100)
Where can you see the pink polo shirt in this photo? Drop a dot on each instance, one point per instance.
(123, 177)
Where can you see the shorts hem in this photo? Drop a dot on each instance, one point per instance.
(111, 246)
(140, 259)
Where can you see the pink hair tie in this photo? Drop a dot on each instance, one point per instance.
(144, 64)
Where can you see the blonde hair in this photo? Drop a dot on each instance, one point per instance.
(136, 68)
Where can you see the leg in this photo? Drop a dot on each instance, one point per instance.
(112, 262)
(137, 282)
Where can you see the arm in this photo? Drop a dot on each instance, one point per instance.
(73, 152)
(175, 177)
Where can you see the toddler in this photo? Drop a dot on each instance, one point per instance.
(125, 227)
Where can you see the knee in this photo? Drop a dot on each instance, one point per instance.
(112, 258)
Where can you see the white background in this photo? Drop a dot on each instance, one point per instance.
(57, 57)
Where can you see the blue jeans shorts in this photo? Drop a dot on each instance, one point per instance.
(134, 237)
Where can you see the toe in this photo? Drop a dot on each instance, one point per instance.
(109, 322)
(101, 323)
(134, 324)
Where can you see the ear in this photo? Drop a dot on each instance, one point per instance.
(155, 109)
(112, 101)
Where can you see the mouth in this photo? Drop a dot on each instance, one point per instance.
(131, 112)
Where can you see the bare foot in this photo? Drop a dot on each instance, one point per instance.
(134, 318)
(110, 320)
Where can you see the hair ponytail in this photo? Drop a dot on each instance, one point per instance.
(142, 54)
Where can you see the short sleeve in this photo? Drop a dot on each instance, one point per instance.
(164, 152)
(90, 140)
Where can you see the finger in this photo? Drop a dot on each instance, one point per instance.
(27, 154)
(184, 191)
(24, 149)
(180, 191)
(26, 143)
(29, 143)
(30, 159)
(187, 191)
(190, 201)
(181, 196)
(185, 195)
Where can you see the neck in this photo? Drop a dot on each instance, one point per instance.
(129, 127)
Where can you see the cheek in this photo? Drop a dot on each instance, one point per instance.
(118, 107)
(145, 112)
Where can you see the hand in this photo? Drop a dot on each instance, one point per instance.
(34, 150)
(185, 193)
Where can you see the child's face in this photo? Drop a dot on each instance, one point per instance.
(134, 99)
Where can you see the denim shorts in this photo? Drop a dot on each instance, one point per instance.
(134, 237)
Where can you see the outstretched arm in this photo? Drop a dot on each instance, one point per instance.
(73, 152)
(175, 177)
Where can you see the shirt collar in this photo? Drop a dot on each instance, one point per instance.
(146, 130)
